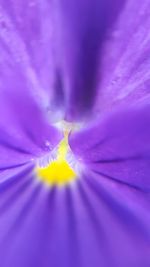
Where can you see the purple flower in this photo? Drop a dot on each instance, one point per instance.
(74, 133)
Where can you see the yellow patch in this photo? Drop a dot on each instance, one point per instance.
(58, 172)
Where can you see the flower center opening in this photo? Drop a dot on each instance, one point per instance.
(58, 171)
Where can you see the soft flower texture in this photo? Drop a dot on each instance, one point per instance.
(86, 62)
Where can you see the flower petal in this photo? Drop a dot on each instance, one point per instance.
(27, 39)
(118, 147)
(81, 28)
(125, 62)
(25, 131)
(90, 223)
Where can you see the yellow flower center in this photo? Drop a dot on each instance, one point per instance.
(58, 172)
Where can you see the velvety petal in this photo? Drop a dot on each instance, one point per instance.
(27, 37)
(117, 147)
(85, 56)
(124, 70)
(25, 130)
(93, 222)
(81, 28)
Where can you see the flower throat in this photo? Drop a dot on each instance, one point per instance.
(58, 172)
